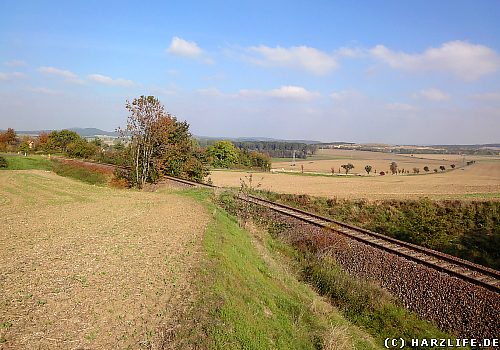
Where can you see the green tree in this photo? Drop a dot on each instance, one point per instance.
(223, 154)
(24, 147)
(347, 167)
(59, 140)
(368, 169)
(81, 149)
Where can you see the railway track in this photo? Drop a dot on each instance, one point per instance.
(462, 269)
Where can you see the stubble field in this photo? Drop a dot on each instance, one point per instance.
(325, 159)
(478, 181)
(92, 267)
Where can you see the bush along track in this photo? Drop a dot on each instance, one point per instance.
(467, 229)
(248, 298)
(362, 300)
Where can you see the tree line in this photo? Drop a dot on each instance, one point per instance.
(156, 144)
(278, 149)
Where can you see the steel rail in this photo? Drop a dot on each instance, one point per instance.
(463, 269)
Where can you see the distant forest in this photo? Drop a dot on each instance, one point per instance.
(277, 149)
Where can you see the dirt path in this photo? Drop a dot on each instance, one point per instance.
(84, 267)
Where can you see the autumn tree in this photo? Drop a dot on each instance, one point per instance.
(368, 169)
(8, 140)
(347, 167)
(159, 144)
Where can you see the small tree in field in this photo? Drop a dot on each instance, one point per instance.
(416, 170)
(394, 168)
(453, 166)
(347, 167)
(442, 168)
(426, 169)
(368, 168)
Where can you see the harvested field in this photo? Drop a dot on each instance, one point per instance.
(325, 159)
(92, 267)
(480, 180)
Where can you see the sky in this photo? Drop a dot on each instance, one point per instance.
(400, 72)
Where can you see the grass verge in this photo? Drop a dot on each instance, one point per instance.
(361, 302)
(249, 299)
(17, 162)
(79, 173)
(90, 176)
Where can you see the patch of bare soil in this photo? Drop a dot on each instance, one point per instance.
(84, 267)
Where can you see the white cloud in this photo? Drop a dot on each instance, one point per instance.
(68, 75)
(399, 107)
(11, 76)
(284, 92)
(184, 48)
(345, 95)
(459, 58)
(15, 63)
(102, 79)
(487, 96)
(298, 57)
(433, 95)
(60, 72)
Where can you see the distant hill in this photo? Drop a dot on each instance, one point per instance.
(252, 139)
(84, 132)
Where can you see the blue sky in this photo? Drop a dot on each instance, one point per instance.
(365, 71)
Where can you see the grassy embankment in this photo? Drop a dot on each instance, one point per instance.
(15, 162)
(251, 300)
(362, 303)
(467, 229)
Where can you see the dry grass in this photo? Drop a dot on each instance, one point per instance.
(92, 267)
(338, 339)
(480, 180)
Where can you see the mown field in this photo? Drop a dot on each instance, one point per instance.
(480, 180)
(92, 267)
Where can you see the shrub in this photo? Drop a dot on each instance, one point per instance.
(3, 162)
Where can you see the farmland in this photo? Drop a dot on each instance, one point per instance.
(85, 266)
(325, 159)
(479, 180)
